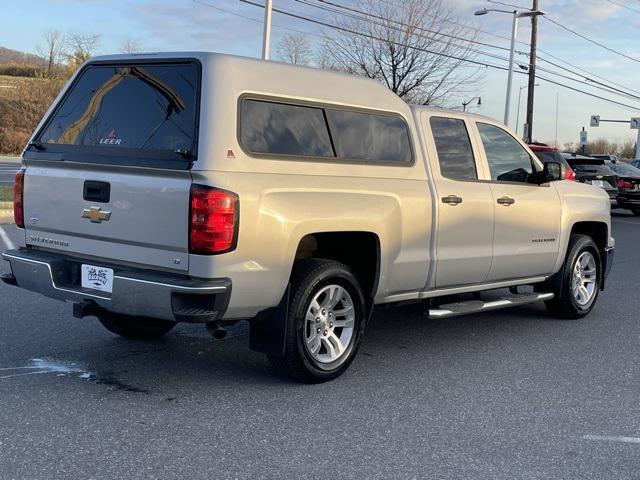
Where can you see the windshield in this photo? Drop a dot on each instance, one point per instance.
(146, 107)
(624, 169)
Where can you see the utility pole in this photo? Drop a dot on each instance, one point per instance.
(266, 37)
(532, 72)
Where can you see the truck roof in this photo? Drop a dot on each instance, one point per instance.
(245, 74)
(310, 82)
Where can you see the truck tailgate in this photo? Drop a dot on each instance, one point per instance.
(144, 220)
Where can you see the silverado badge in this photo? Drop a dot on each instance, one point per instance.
(96, 214)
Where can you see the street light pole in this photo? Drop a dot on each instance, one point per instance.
(519, 102)
(266, 37)
(532, 71)
(514, 32)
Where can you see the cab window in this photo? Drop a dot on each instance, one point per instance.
(453, 146)
(508, 160)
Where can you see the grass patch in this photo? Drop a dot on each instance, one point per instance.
(6, 193)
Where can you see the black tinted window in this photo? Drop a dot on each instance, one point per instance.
(548, 156)
(593, 168)
(137, 106)
(624, 169)
(280, 129)
(508, 160)
(455, 154)
(367, 136)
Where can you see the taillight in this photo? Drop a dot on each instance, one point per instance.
(18, 199)
(625, 184)
(214, 220)
(570, 174)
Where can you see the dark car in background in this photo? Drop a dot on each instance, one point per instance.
(628, 185)
(605, 157)
(547, 153)
(594, 171)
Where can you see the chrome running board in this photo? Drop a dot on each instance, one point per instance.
(475, 306)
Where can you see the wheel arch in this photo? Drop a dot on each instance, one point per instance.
(599, 232)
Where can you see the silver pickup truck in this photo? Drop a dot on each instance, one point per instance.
(199, 187)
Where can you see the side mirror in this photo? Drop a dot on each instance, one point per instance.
(553, 171)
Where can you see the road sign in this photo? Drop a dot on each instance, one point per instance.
(583, 137)
(635, 123)
(595, 120)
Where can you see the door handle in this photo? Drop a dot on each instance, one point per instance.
(506, 201)
(452, 200)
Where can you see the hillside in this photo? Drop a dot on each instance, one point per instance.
(8, 56)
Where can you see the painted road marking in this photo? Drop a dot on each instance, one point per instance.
(7, 241)
(43, 365)
(626, 221)
(607, 438)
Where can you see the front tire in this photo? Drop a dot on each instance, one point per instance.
(326, 320)
(577, 284)
(135, 328)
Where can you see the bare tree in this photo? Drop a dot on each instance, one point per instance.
(80, 48)
(323, 59)
(294, 48)
(52, 51)
(622, 149)
(131, 45)
(411, 49)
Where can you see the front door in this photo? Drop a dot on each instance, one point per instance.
(527, 215)
(465, 205)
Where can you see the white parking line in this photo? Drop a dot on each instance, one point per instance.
(7, 241)
(627, 221)
(607, 438)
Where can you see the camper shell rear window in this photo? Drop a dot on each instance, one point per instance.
(142, 111)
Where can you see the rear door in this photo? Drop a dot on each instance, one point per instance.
(464, 204)
(527, 215)
(108, 175)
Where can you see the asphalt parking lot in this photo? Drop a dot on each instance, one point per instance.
(511, 394)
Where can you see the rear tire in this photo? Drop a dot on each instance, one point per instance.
(577, 284)
(135, 328)
(326, 320)
(636, 211)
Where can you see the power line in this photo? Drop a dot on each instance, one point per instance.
(547, 53)
(475, 62)
(623, 6)
(255, 20)
(344, 7)
(508, 4)
(584, 37)
(597, 84)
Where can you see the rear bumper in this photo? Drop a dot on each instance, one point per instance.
(631, 200)
(135, 292)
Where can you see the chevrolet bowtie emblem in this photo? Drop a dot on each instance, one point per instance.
(96, 215)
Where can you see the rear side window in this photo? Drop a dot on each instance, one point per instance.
(369, 137)
(283, 129)
(274, 128)
(146, 107)
(455, 154)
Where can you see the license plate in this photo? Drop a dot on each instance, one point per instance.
(97, 278)
(598, 183)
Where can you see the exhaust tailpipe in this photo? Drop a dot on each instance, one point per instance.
(216, 330)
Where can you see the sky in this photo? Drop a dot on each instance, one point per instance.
(230, 26)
